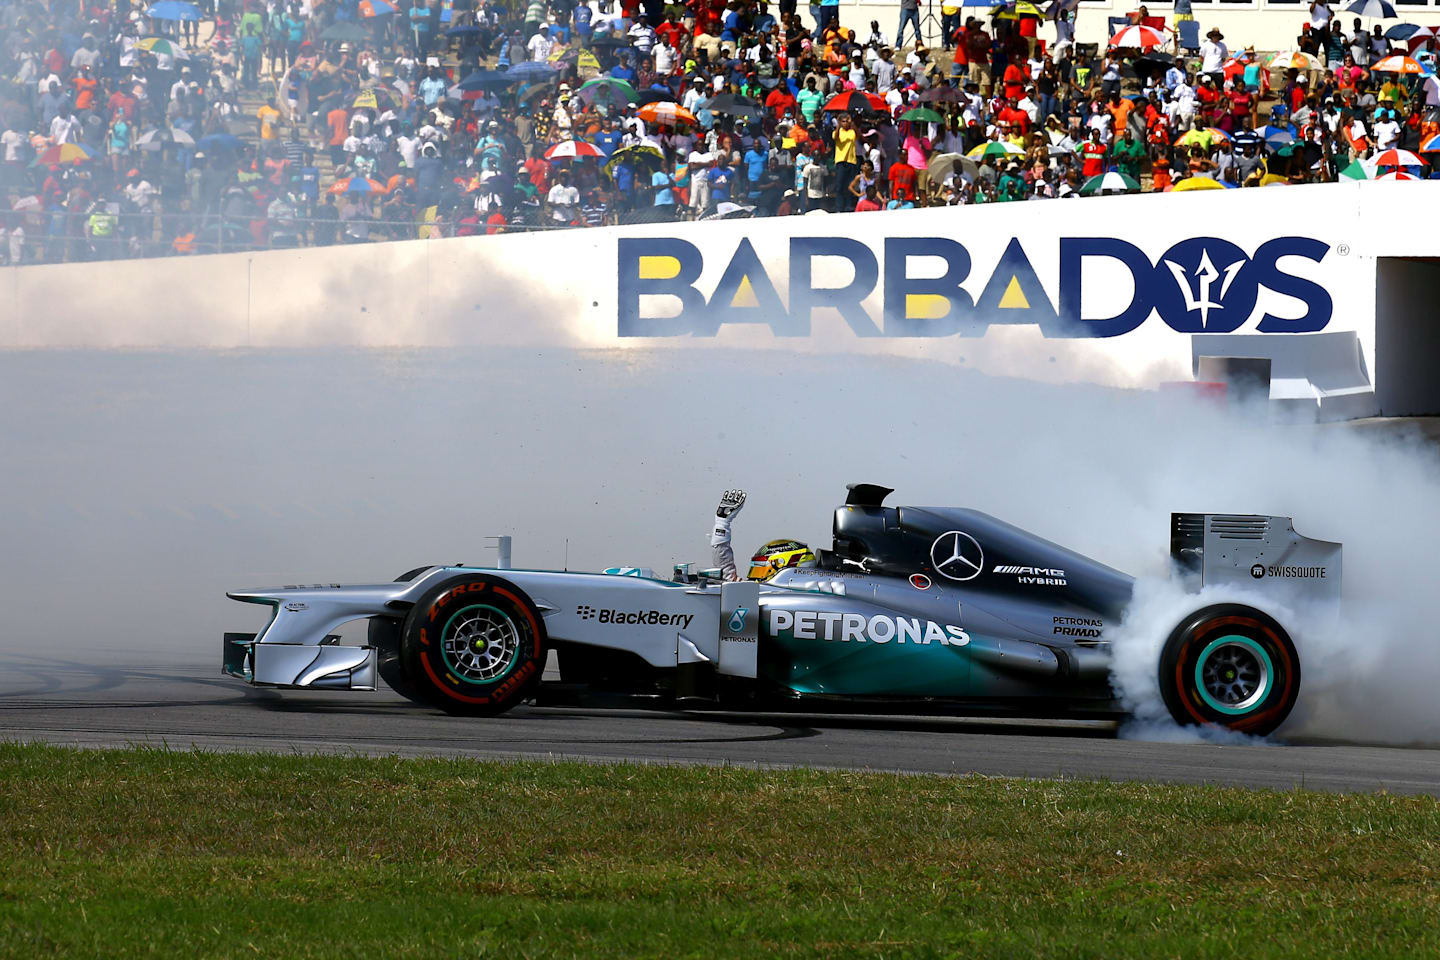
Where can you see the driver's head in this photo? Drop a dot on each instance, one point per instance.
(776, 555)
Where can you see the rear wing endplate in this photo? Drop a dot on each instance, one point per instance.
(1264, 552)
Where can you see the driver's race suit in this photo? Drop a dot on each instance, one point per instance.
(721, 553)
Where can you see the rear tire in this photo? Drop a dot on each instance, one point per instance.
(473, 645)
(1229, 665)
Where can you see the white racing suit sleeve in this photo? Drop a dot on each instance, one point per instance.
(721, 553)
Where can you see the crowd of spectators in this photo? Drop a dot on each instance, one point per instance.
(241, 124)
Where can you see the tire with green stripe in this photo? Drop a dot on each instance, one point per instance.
(474, 645)
(1232, 666)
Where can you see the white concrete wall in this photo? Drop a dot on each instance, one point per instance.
(562, 288)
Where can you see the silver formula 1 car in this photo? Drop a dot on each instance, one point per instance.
(915, 609)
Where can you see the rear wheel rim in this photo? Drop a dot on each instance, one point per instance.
(480, 643)
(1234, 675)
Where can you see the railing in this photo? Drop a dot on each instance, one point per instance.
(137, 235)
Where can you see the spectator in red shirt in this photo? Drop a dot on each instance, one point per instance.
(902, 178)
(871, 200)
(780, 100)
(122, 101)
(1094, 153)
(1015, 78)
(1013, 116)
(977, 53)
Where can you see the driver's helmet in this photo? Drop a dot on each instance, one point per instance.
(776, 555)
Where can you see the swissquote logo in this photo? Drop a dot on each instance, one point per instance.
(1200, 285)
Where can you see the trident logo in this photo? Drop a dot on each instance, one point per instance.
(1205, 276)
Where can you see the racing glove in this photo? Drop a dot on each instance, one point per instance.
(731, 501)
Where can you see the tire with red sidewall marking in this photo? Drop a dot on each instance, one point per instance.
(475, 645)
(1231, 666)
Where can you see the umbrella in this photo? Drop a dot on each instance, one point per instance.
(1113, 181)
(651, 95)
(469, 31)
(922, 115)
(374, 98)
(636, 155)
(485, 80)
(1357, 171)
(162, 46)
(376, 8)
(1430, 144)
(173, 10)
(735, 106)
(1373, 8)
(1398, 64)
(65, 153)
(1395, 158)
(157, 138)
(530, 70)
(1278, 139)
(725, 210)
(1202, 136)
(665, 112)
(1420, 36)
(1138, 36)
(1398, 175)
(612, 89)
(1198, 183)
(568, 149)
(1015, 9)
(943, 164)
(856, 100)
(1403, 31)
(940, 94)
(356, 185)
(994, 148)
(218, 141)
(1154, 61)
(1294, 60)
(346, 31)
(1233, 67)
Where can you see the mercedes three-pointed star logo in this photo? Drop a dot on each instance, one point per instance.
(956, 556)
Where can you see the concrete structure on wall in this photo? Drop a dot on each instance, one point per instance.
(1128, 291)
(1268, 24)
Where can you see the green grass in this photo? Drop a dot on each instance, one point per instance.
(153, 853)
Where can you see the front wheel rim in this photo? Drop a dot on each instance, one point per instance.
(480, 643)
(1234, 675)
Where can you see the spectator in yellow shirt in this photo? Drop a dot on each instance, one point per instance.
(845, 166)
(268, 115)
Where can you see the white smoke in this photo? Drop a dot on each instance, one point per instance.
(138, 487)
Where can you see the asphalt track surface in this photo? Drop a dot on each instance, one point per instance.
(193, 707)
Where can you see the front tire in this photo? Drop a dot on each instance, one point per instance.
(1230, 665)
(474, 645)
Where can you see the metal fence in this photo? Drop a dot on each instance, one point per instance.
(44, 236)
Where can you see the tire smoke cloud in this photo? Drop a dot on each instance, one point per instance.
(139, 486)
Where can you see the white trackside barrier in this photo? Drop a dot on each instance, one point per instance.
(1123, 291)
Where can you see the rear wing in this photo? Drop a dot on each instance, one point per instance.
(1265, 552)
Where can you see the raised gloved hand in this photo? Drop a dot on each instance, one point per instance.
(730, 503)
